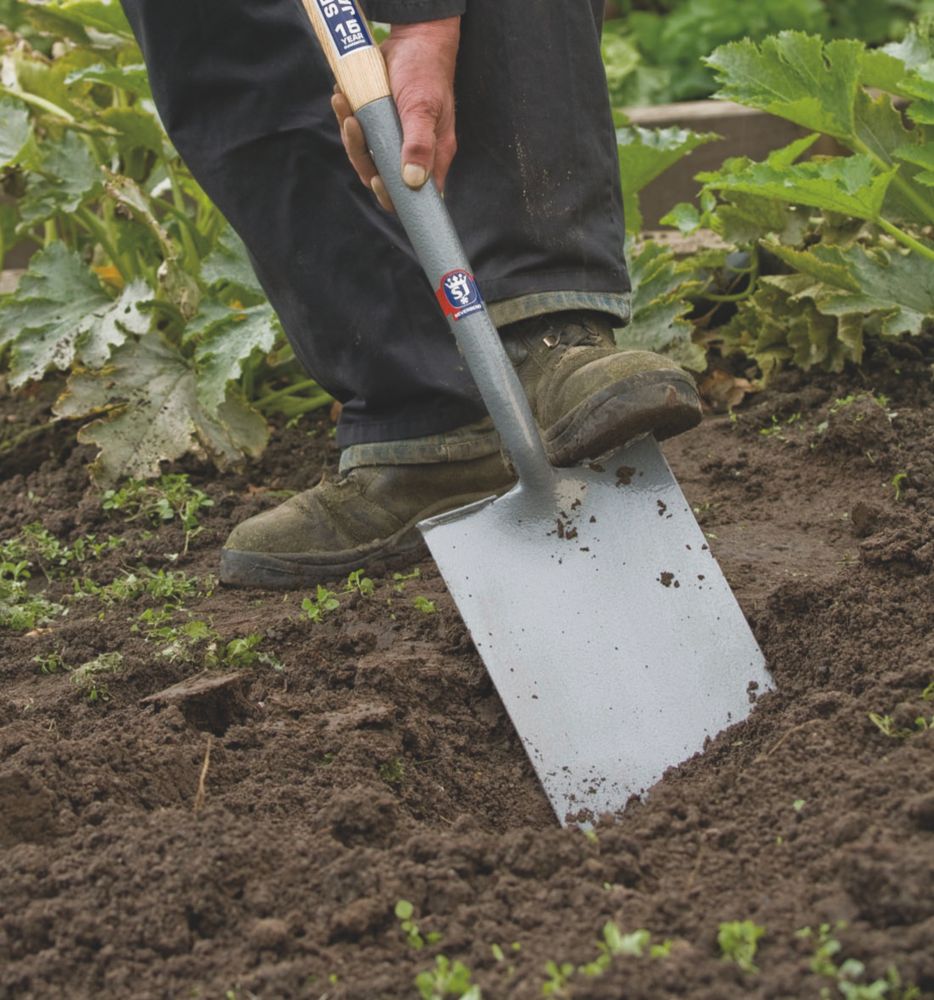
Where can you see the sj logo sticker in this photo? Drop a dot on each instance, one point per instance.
(346, 25)
(459, 295)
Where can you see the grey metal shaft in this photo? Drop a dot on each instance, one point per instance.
(436, 244)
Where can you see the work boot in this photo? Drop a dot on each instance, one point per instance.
(588, 396)
(364, 519)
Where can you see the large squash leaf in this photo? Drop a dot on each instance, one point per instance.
(147, 397)
(60, 314)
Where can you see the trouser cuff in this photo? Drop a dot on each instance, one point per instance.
(476, 440)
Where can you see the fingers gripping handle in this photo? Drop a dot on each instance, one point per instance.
(348, 46)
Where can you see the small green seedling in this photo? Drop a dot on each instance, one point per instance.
(447, 979)
(739, 941)
(401, 579)
(393, 772)
(897, 482)
(52, 663)
(798, 805)
(359, 583)
(426, 606)
(404, 912)
(172, 496)
(323, 603)
(88, 678)
(559, 975)
(245, 652)
(847, 973)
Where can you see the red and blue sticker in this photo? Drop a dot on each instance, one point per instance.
(458, 294)
(346, 24)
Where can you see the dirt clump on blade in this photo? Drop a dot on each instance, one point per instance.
(250, 802)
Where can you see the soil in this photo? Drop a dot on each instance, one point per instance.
(237, 832)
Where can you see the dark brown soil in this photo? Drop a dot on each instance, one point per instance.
(248, 832)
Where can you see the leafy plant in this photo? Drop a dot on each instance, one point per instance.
(848, 232)
(171, 496)
(322, 604)
(89, 677)
(847, 973)
(739, 941)
(139, 291)
(360, 584)
(447, 979)
(425, 605)
(404, 913)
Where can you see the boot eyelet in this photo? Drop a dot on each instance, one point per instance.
(551, 340)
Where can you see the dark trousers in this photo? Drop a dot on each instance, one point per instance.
(244, 93)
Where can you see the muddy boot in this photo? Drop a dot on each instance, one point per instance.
(588, 396)
(365, 519)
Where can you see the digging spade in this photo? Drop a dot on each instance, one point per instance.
(603, 619)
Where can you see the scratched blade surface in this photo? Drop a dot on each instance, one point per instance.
(610, 633)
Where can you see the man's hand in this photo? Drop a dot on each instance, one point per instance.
(421, 59)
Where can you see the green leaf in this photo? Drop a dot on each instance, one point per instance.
(100, 15)
(60, 314)
(132, 79)
(229, 264)
(14, 130)
(897, 286)
(795, 76)
(848, 185)
(659, 307)
(66, 176)
(148, 399)
(919, 156)
(645, 154)
(136, 128)
(228, 346)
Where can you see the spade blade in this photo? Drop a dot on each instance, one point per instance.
(613, 639)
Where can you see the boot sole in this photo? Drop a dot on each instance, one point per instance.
(294, 570)
(659, 403)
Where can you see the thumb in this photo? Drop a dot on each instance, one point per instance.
(419, 128)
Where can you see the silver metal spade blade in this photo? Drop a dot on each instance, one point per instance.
(605, 623)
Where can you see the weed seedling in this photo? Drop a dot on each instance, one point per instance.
(359, 583)
(241, 653)
(172, 496)
(897, 482)
(847, 973)
(401, 579)
(404, 912)
(323, 603)
(88, 678)
(558, 977)
(447, 979)
(739, 941)
(393, 771)
(51, 664)
(424, 605)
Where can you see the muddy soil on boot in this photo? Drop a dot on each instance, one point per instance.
(195, 819)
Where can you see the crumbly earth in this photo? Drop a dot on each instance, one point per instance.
(250, 833)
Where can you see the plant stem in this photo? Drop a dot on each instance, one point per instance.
(289, 390)
(178, 199)
(905, 239)
(898, 182)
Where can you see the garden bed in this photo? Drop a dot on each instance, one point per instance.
(249, 829)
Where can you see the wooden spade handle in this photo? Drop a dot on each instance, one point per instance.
(347, 42)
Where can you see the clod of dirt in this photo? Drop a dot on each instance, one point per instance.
(864, 518)
(624, 475)
(362, 815)
(27, 811)
(921, 811)
(668, 580)
(210, 702)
